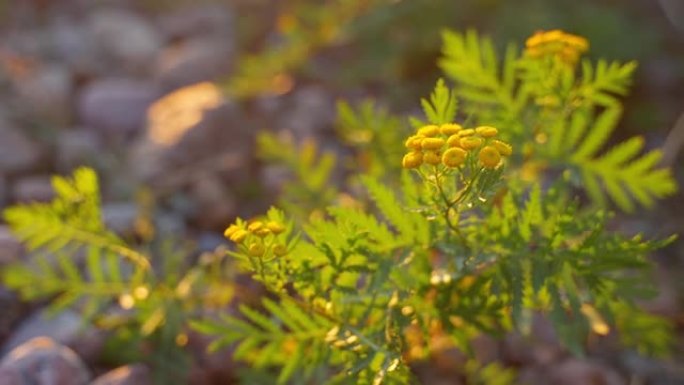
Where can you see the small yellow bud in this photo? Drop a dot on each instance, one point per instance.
(429, 130)
(413, 142)
(262, 232)
(254, 226)
(470, 142)
(466, 132)
(256, 249)
(489, 157)
(412, 160)
(432, 143)
(279, 249)
(239, 236)
(230, 230)
(454, 141)
(275, 227)
(431, 157)
(504, 148)
(450, 128)
(454, 157)
(487, 131)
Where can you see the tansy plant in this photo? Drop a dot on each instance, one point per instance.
(451, 240)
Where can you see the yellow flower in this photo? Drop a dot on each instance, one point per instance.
(454, 141)
(413, 142)
(466, 132)
(256, 249)
(412, 159)
(262, 232)
(470, 142)
(432, 143)
(564, 46)
(254, 226)
(489, 157)
(230, 231)
(429, 130)
(239, 236)
(487, 131)
(504, 148)
(450, 128)
(454, 157)
(275, 227)
(431, 157)
(279, 249)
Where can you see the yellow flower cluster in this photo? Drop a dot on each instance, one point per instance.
(567, 47)
(451, 144)
(258, 237)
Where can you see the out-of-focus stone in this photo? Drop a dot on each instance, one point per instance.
(13, 309)
(215, 204)
(120, 217)
(71, 43)
(193, 61)
(126, 38)
(3, 191)
(36, 188)
(41, 361)
(198, 20)
(574, 371)
(77, 148)
(312, 111)
(11, 249)
(18, 153)
(486, 349)
(117, 106)
(63, 328)
(126, 375)
(46, 92)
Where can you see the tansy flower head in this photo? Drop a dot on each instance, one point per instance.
(489, 157)
(466, 132)
(262, 232)
(450, 128)
(256, 249)
(564, 46)
(230, 231)
(254, 226)
(504, 148)
(239, 235)
(454, 157)
(431, 157)
(432, 143)
(279, 249)
(412, 159)
(429, 130)
(413, 142)
(487, 131)
(275, 227)
(470, 142)
(454, 141)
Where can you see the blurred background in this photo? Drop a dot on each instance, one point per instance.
(165, 98)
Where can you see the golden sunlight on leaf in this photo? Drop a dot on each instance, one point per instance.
(170, 117)
(598, 325)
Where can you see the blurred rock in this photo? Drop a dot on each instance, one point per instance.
(120, 217)
(215, 204)
(116, 106)
(41, 361)
(73, 45)
(574, 371)
(37, 188)
(13, 309)
(126, 38)
(3, 191)
(126, 375)
(198, 20)
(18, 153)
(76, 148)
(516, 350)
(46, 93)
(193, 61)
(312, 111)
(486, 349)
(63, 327)
(11, 249)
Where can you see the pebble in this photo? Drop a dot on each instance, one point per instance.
(77, 148)
(34, 188)
(18, 153)
(42, 361)
(63, 327)
(11, 249)
(137, 374)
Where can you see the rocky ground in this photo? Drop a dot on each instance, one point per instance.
(76, 83)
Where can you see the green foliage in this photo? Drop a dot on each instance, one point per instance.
(563, 117)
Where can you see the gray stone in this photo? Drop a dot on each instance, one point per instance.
(11, 249)
(77, 148)
(36, 188)
(41, 361)
(64, 327)
(312, 111)
(116, 105)
(215, 204)
(18, 153)
(3, 191)
(198, 20)
(193, 61)
(72, 44)
(125, 38)
(574, 371)
(126, 375)
(120, 217)
(46, 93)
